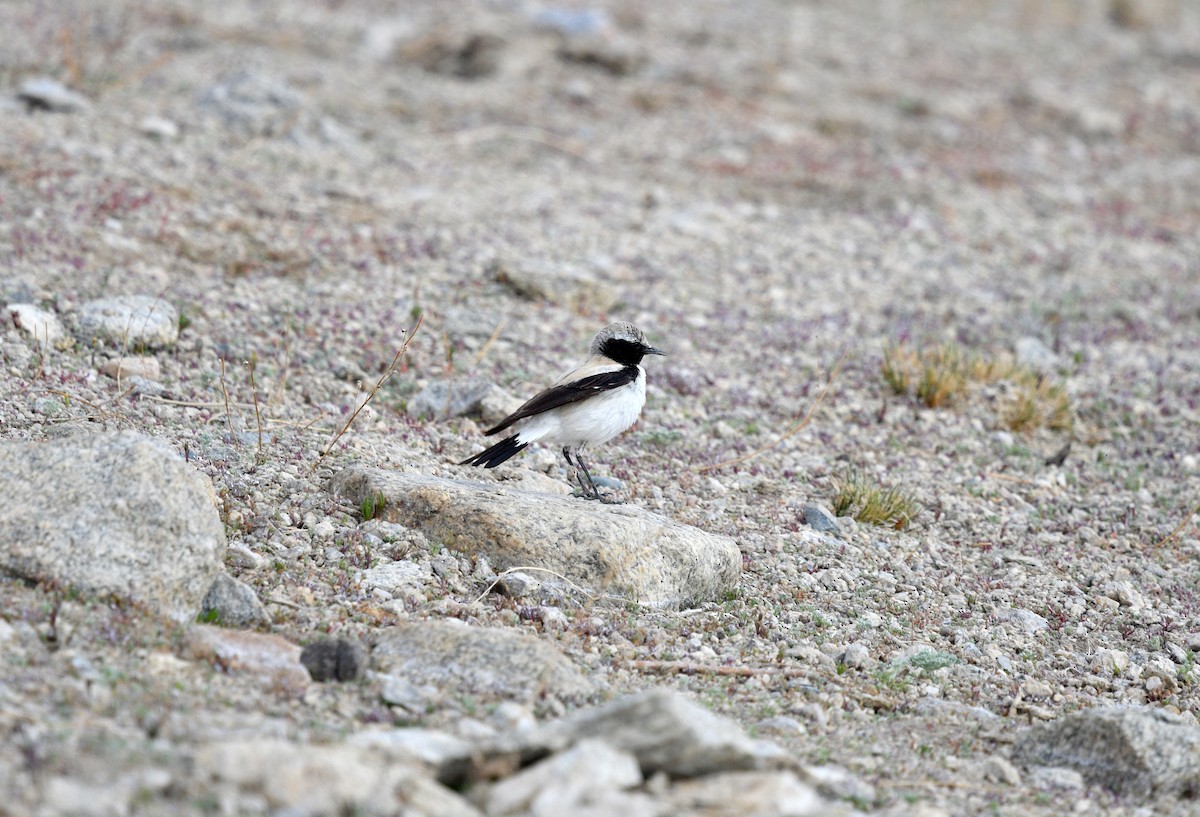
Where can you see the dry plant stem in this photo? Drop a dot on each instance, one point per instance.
(190, 404)
(277, 397)
(487, 344)
(385, 377)
(1173, 535)
(257, 413)
(536, 135)
(795, 428)
(689, 668)
(228, 415)
(522, 568)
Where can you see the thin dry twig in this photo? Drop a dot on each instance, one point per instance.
(281, 385)
(538, 136)
(1173, 535)
(385, 377)
(228, 414)
(191, 404)
(691, 668)
(522, 568)
(487, 344)
(257, 414)
(795, 427)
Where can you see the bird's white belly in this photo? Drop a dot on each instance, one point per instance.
(592, 421)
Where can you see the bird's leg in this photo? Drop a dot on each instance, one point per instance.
(595, 491)
(576, 468)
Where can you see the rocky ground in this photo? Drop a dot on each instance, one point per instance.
(226, 226)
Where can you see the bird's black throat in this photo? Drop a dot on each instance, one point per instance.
(625, 352)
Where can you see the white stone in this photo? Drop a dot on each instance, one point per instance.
(129, 322)
(41, 325)
(123, 368)
(563, 782)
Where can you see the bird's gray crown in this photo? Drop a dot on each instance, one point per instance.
(618, 330)
(624, 343)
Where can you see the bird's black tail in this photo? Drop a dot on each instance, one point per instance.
(497, 454)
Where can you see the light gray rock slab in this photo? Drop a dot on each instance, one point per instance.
(231, 603)
(113, 513)
(398, 576)
(126, 368)
(1134, 751)
(734, 794)
(565, 782)
(52, 95)
(333, 779)
(129, 322)
(667, 732)
(39, 324)
(462, 398)
(463, 660)
(837, 782)
(273, 659)
(619, 551)
(447, 756)
(820, 519)
(567, 285)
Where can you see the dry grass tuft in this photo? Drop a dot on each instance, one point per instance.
(867, 501)
(1039, 404)
(941, 375)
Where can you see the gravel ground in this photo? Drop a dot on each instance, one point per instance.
(776, 193)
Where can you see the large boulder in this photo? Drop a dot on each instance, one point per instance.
(113, 513)
(619, 551)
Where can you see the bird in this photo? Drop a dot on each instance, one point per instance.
(586, 406)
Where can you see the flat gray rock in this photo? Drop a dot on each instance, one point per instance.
(667, 732)
(567, 285)
(129, 322)
(463, 660)
(734, 794)
(462, 398)
(52, 95)
(114, 513)
(1133, 751)
(614, 550)
(40, 324)
(231, 603)
(566, 782)
(294, 778)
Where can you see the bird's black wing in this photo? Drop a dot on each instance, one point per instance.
(556, 396)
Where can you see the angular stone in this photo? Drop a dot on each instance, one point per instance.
(239, 651)
(567, 285)
(231, 603)
(41, 325)
(396, 577)
(124, 368)
(465, 660)
(129, 322)
(447, 756)
(565, 782)
(52, 95)
(462, 398)
(1135, 751)
(667, 732)
(617, 550)
(338, 779)
(113, 513)
(734, 794)
(820, 520)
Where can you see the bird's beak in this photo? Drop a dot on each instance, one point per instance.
(650, 350)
